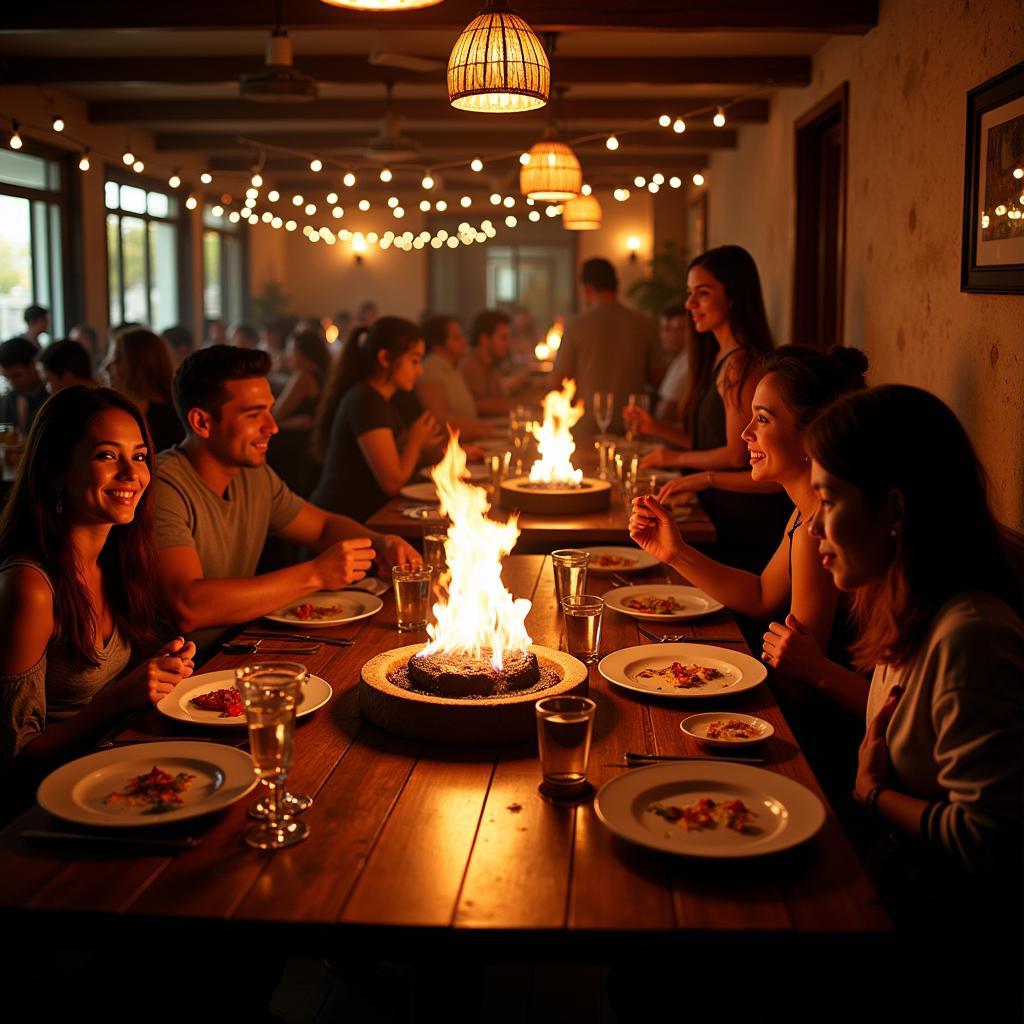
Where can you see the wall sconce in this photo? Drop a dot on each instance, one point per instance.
(359, 246)
(633, 245)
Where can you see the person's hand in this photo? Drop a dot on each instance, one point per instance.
(662, 457)
(790, 649)
(873, 763)
(651, 526)
(474, 453)
(640, 419)
(692, 483)
(151, 681)
(344, 563)
(424, 431)
(395, 551)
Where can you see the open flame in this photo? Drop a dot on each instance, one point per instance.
(554, 440)
(549, 346)
(479, 615)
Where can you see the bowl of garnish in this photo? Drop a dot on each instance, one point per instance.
(715, 729)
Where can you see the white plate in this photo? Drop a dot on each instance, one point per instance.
(694, 601)
(76, 790)
(639, 560)
(739, 671)
(420, 492)
(315, 694)
(356, 606)
(787, 813)
(697, 727)
(476, 473)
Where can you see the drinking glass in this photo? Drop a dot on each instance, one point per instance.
(641, 401)
(270, 692)
(564, 729)
(583, 616)
(570, 568)
(500, 465)
(605, 457)
(604, 409)
(412, 595)
(433, 547)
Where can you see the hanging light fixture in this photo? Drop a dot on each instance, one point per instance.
(553, 173)
(382, 5)
(498, 65)
(581, 214)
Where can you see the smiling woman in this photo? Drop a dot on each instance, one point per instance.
(76, 569)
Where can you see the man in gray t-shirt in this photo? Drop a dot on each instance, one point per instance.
(216, 501)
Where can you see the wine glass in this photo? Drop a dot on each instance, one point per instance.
(270, 692)
(604, 409)
(640, 401)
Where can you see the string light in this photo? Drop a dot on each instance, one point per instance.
(273, 195)
(495, 199)
(364, 205)
(476, 164)
(349, 180)
(698, 179)
(337, 213)
(217, 211)
(424, 205)
(392, 201)
(316, 165)
(621, 194)
(664, 120)
(297, 200)
(719, 119)
(639, 181)
(83, 160)
(679, 126)
(586, 190)
(385, 174)
(256, 180)
(267, 218)
(675, 181)
(138, 167)
(191, 203)
(127, 158)
(58, 123)
(658, 178)
(524, 158)
(535, 216)
(465, 202)
(206, 177)
(1018, 172)
(653, 188)
(612, 143)
(398, 212)
(234, 217)
(509, 201)
(174, 180)
(289, 225)
(428, 181)
(251, 193)
(310, 209)
(440, 206)
(332, 198)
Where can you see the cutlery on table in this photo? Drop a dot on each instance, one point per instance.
(337, 641)
(110, 744)
(679, 638)
(244, 647)
(38, 835)
(636, 758)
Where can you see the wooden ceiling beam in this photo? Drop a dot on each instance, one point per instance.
(836, 16)
(610, 111)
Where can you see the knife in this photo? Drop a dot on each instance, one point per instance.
(633, 756)
(337, 641)
(36, 835)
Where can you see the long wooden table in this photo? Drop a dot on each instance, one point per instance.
(420, 849)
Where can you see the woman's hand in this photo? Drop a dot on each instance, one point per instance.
(424, 431)
(157, 677)
(395, 551)
(790, 649)
(692, 483)
(642, 421)
(874, 766)
(654, 529)
(662, 457)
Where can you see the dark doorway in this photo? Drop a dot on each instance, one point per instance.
(821, 222)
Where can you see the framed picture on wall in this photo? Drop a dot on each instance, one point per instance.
(992, 257)
(697, 223)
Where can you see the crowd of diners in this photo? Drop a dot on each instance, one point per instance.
(854, 529)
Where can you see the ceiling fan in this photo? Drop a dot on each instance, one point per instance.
(389, 145)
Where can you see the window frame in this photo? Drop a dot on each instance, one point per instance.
(238, 233)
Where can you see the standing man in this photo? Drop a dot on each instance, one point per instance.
(37, 322)
(489, 344)
(672, 389)
(607, 348)
(216, 501)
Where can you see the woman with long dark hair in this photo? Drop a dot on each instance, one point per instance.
(368, 453)
(728, 338)
(77, 563)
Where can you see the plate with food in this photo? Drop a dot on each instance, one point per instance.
(211, 699)
(687, 671)
(709, 809)
(328, 608)
(420, 492)
(606, 560)
(662, 601)
(147, 784)
(476, 473)
(716, 729)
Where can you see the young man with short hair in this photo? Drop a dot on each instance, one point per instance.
(18, 364)
(489, 345)
(216, 501)
(63, 364)
(37, 322)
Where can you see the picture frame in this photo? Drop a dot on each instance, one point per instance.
(992, 251)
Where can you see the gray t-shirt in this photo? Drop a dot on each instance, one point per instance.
(227, 531)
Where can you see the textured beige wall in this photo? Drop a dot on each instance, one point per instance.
(908, 82)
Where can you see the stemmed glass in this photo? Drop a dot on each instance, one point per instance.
(640, 401)
(271, 692)
(604, 409)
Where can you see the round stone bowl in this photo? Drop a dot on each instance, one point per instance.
(461, 721)
(592, 495)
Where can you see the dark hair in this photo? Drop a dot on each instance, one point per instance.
(31, 526)
(66, 356)
(178, 337)
(487, 323)
(88, 332)
(811, 380)
(248, 331)
(17, 352)
(671, 311)
(359, 362)
(435, 330)
(146, 364)
(902, 438)
(734, 268)
(34, 313)
(199, 381)
(312, 345)
(600, 275)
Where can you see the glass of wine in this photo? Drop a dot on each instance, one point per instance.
(271, 692)
(639, 401)
(604, 410)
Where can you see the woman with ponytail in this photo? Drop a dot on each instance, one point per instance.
(368, 453)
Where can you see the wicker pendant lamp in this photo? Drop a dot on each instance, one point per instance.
(581, 214)
(382, 5)
(498, 65)
(552, 173)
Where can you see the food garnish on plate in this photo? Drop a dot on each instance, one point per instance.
(227, 702)
(654, 605)
(307, 612)
(156, 791)
(732, 729)
(683, 677)
(612, 561)
(707, 813)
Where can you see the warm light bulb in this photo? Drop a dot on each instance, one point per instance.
(332, 198)
(586, 190)
(58, 123)
(1000, 210)
(535, 216)
(633, 243)
(310, 209)
(337, 213)
(698, 179)
(621, 194)
(273, 195)
(427, 182)
(639, 181)
(984, 220)
(83, 160)
(256, 180)
(659, 178)
(495, 199)
(206, 177)
(399, 212)
(679, 126)
(653, 188)
(233, 217)
(138, 167)
(675, 181)
(250, 203)
(664, 120)
(289, 226)
(1018, 172)
(424, 205)
(477, 164)
(364, 205)
(251, 193)
(524, 158)
(127, 158)
(465, 202)
(509, 201)
(217, 211)
(316, 165)
(267, 217)
(719, 119)
(440, 206)
(612, 143)
(174, 180)
(191, 203)
(349, 180)
(297, 200)
(385, 174)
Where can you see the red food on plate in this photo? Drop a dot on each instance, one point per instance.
(156, 791)
(316, 612)
(227, 702)
(707, 813)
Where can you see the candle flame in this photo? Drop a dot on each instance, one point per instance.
(554, 438)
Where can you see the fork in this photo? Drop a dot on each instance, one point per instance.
(679, 638)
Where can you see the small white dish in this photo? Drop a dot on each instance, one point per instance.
(696, 726)
(689, 602)
(633, 668)
(349, 606)
(620, 560)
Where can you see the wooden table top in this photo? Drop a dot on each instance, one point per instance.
(409, 839)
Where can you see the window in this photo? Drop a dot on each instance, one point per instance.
(143, 255)
(32, 246)
(223, 268)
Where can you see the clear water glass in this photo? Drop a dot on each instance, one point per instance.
(570, 569)
(565, 726)
(433, 547)
(412, 595)
(640, 401)
(271, 692)
(584, 614)
(604, 409)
